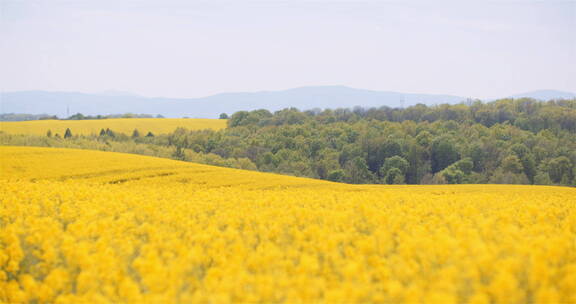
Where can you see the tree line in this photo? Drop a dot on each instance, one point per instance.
(77, 116)
(521, 141)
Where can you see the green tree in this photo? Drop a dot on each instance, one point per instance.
(394, 176)
(238, 119)
(512, 164)
(558, 168)
(77, 116)
(465, 165)
(478, 156)
(391, 147)
(526, 158)
(452, 175)
(327, 161)
(337, 175)
(502, 177)
(357, 172)
(68, 133)
(444, 153)
(394, 162)
(135, 133)
(179, 154)
(424, 138)
(110, 133)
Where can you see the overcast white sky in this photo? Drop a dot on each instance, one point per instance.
(196, 48)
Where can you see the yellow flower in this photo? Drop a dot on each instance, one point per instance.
(71, 232)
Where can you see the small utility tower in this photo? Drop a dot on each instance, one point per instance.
(67, 111)
(402, 102)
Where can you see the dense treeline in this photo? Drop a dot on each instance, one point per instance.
(508, 141)
(24, 117)
(527, 114)
(77, 116)
(80, 116)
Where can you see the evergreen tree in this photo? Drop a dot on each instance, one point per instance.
(110, 133)
(68, 133)
(135, 133)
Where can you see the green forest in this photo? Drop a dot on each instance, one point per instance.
(509, 141)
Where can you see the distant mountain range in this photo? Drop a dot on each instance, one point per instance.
(304, 98)
(546, 95)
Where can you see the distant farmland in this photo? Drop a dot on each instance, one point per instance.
(120, 125)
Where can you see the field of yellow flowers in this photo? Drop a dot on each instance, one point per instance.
(119, 125)
(80, 226)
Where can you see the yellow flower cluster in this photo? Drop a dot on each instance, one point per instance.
(119, 125)
(81, 226)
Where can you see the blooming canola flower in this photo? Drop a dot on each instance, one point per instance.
(87, 226)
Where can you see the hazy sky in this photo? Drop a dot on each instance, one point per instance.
(198, 48)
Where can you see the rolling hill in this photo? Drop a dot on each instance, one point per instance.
(546, 95)
(88, 226)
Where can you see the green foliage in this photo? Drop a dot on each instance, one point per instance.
(336, 175)
(80, 116)
(179, 154)
(459, 172)
(424, 138)
(356, 172)
(394, 176)
(394, 170)
(452, 175)
(444, 153)
(507, 141)
(512, 164)
(24, 117)
(465, 165)
(110, 133)
(135, 133)
(68, 133)
(244, 118)
(506, 177)
(77, 116)
(560, 168)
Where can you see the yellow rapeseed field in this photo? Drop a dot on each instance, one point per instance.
(119, 125)
(81, 226)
